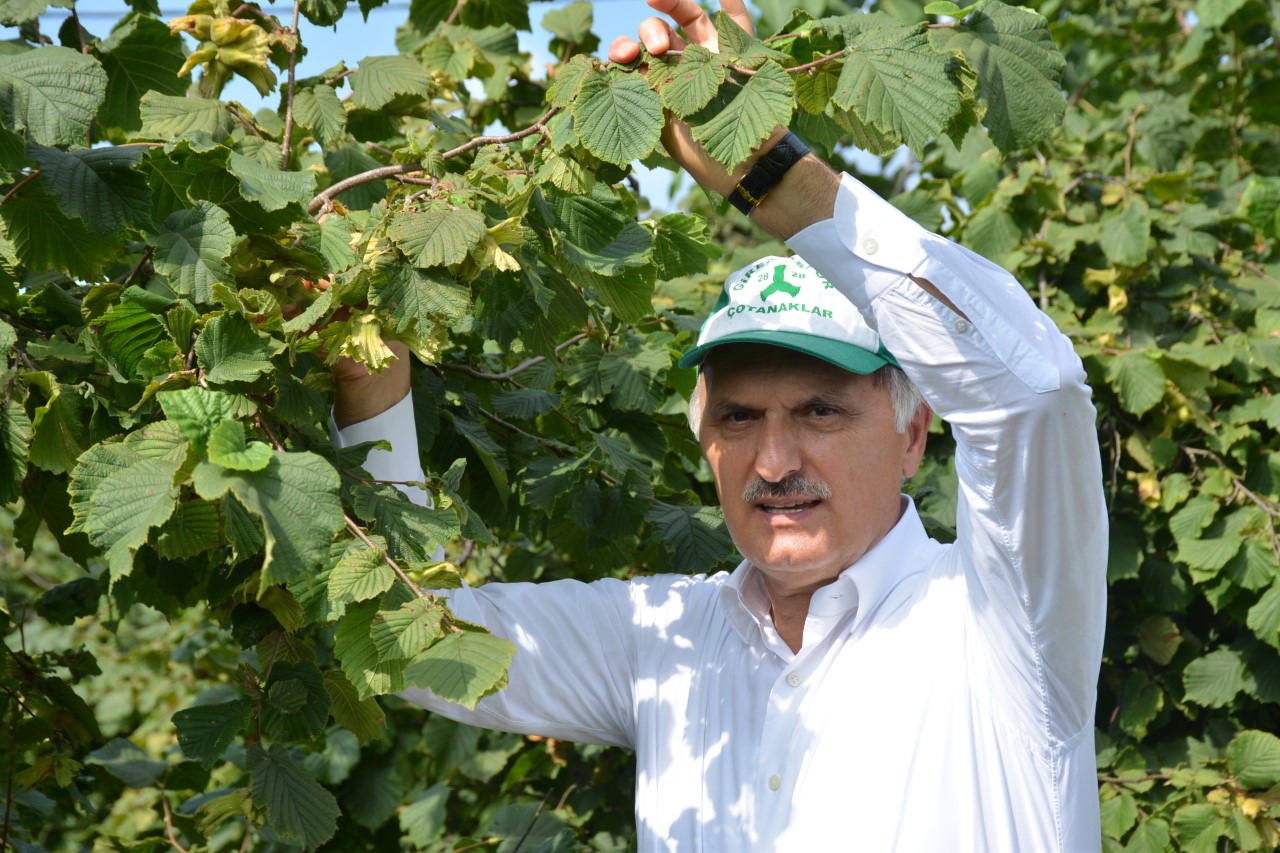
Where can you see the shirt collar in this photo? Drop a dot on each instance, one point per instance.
(745, 602)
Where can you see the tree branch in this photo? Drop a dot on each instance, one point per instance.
(286, 145)
(19, 185)
(168, 824)
(831, 57)
(453, 16)
(355, 528)
(519, 368)
(323, 199)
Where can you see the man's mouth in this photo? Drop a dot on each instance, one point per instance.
(790, 507)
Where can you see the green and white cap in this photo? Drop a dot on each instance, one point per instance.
(784, 302)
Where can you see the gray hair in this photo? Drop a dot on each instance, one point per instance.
(903, 395)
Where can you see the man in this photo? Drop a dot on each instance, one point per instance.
(852, 684)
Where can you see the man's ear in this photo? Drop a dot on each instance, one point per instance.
(916, 434)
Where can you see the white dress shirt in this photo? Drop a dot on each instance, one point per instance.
(943, 697)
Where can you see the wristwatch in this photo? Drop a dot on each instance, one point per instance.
(766, 173)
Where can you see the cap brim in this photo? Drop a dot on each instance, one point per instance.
(840, 353)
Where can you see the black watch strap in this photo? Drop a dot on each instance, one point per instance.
(767, 172)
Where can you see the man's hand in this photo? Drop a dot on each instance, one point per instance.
(358, 394)
(805, 195)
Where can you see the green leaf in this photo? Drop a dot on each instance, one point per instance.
(1264, 617)
(1151, 836)
(127, 495)
(1198, 826)
(463, 668)
(1125, 235)
(318, 109)
(414, 532)
(405, 632)
(297, 703)
(47, 240)
(53, 93)
(192, 529)
(617, 116)
(58, 434)
(754, 110)
(15, 436)
(1138, 380)
(1215, 679)
(141, 55)
(98, 186)
(1260, 204)
(271, 188)
(418, 299)
(230, 350)
(1019, 71)
(296, 496)
(688, 85)
(569, 78)
(423, 820)
(362, 717)
(192, 251)
(127, 762)
(361, 573)
(681, 245)
(381, 79)
(740, 47)
(297, 806)
(228, 449)
(197, 412)
(206, 730)
(1253, 757)
(437, 236)
(1159, 638)
(168, 117)
(896, 84)
(1215, 13)
(356, 653)
(1119, 814)
(695, 537)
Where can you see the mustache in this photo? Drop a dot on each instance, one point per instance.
(794, 486)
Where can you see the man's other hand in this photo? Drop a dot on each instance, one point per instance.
(805, 195)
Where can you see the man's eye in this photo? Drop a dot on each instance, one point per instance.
(822, 411)
(737, 417)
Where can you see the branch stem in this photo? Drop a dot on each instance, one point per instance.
(360, 534)
(286, 144)
(19, 185)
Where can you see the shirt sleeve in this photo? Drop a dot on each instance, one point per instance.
(572, 672)
(1031, 521)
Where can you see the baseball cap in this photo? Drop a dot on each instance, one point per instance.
(784, 302)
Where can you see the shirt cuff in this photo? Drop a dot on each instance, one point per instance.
(868, 248)
(397, 426)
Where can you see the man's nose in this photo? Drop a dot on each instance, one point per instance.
(778, 451)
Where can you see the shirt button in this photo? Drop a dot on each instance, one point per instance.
(793, 678)
(961, 325)
(870, 246)
(775, 782)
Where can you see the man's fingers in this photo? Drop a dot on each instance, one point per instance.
(690, 17)
(658, 37)
(737, 9)
(624, 50)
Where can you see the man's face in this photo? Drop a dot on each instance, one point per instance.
(825, 437)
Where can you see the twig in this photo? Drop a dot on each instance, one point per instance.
(246, 7)
(384, 172)
(355, 528)
(453, 16)
(519, 368)
(536, 814)
(286, 145)
(146, 256)
(84, 48)
(1122, 780)
(168, 823)
(19, 185)
(1133, 135)
(820, 61)
(468, 548)
(8, 804)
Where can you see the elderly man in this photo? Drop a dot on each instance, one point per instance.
(852, 684)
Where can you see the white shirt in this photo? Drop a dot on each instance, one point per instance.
(943, 697)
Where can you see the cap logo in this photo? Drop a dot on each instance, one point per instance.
(779, 283)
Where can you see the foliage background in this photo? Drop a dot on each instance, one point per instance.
(1146, 224)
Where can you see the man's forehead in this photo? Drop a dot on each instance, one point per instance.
(740, 365)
